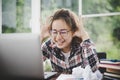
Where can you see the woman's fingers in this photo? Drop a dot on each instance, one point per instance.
(44, 32)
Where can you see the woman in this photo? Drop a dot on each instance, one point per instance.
(68, 44)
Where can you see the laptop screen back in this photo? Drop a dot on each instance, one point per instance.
(20, 56)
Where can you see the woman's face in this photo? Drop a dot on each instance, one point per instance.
(61, 34)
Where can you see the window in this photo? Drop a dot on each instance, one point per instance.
(52, 5)
(16, 15)
(102, 20)
(20, 16)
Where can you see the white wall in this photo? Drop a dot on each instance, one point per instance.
(35, 20)
(0, 16)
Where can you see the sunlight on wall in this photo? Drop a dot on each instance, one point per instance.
(0, 16)
(35, 21)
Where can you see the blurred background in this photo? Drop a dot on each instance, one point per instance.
(101, 19)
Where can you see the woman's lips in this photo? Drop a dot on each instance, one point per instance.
(60, 42)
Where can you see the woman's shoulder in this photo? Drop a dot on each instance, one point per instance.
(47, 42)
(87, 42)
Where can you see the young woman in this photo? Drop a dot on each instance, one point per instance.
(68, 44)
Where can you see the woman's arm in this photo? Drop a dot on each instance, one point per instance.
(46, 50)
(44, 32)
(80, 32)
(89, 54)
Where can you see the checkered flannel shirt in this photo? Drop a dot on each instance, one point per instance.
(81, 54)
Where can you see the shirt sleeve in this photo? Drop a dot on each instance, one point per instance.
(46, 49)
(89, 54)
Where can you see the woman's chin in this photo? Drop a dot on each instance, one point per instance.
(60, 46)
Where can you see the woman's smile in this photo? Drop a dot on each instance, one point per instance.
(60, 42)
(61, 34)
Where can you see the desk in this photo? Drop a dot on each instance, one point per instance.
(55, 76)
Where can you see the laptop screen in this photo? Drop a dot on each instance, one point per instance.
(20, 56)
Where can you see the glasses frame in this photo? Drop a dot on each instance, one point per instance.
(63, 34)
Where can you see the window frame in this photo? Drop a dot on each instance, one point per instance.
(36, 11)
(0, 16)
(95, 15)
(35, 16)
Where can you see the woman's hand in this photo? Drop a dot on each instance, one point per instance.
(77, 33)
(44, 32)
(81, 33)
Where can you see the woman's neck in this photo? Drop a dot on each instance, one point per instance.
(66, 50)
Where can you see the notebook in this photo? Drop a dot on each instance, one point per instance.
(21, 57)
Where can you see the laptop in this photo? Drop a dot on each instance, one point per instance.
(21, 57)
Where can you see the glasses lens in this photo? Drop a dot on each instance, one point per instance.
(63, 33)
(53, 32)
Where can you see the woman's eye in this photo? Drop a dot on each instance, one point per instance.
(63, 32)
(54, 32)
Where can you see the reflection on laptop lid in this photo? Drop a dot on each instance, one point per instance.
(20, 56)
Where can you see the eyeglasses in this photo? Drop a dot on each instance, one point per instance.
(62, 32)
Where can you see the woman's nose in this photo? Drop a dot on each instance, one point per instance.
(58, 36)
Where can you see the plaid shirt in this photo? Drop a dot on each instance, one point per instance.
(81, 54)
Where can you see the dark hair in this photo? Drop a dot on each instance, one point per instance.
(67, 16)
